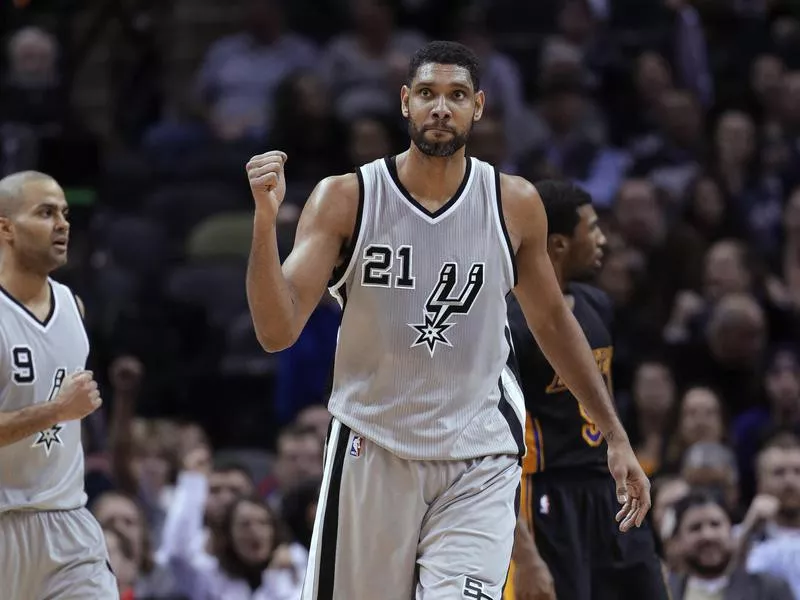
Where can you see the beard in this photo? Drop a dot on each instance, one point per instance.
(707, 571)
(438, 149)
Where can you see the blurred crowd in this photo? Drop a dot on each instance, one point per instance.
(681, 118)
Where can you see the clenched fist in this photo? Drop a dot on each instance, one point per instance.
(78, 396)
(267, 181)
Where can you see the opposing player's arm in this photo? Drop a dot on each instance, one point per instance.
(525, 551)
(282, 298)
(549, 318)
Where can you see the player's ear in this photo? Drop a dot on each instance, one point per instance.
(480, 102)
(404, 94)
(6, 229)
(557, 244)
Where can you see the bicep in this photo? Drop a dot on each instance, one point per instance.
(318, 245)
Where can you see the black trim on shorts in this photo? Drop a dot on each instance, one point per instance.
(330, 520)
(341, 269)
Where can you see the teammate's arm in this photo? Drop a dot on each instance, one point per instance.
(563, 342)
(77, 398)
(282, 298)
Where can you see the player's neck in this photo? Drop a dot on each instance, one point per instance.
(26, 287)
(561, 275)
(434, 179)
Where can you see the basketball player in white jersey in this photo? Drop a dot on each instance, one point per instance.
(420, 489)
(50, 546)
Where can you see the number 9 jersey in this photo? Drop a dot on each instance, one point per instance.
(559, 433)
(45, 470)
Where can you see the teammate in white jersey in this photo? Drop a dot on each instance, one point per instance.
(420, 489)
(51, 546)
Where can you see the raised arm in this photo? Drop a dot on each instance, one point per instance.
(563, 342)
(282, 298)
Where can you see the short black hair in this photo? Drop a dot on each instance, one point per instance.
(561, 200)
(446, 53)
(698, 497)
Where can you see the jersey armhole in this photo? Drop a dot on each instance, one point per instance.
(502, 231)
(341, 272)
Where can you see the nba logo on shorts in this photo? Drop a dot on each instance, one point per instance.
(355, 446)
(544, 505)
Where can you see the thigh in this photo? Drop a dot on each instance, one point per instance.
(561, 540)
(20, 545)
(625, 565)
(77, 559)
(468, 533)
(367, 525)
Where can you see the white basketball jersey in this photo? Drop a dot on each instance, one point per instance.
(423, 365)
(45, 470)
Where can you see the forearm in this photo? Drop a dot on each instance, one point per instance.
(19, 424)
(269, 295)
(525, 550)
(564, 345)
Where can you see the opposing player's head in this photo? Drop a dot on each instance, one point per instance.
(574, 238)
(34, 230)
(442, 98)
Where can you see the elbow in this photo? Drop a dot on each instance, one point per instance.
(275, 343)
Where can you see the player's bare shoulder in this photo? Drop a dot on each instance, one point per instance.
(521, 207)
(334, 204)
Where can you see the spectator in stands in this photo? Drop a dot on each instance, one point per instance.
(654, 397)
(237, 81)
(299, 458)
(299, 508)
(730, 355)
(120, 512)
(789, 260)
(123, 563)
(782, 412)
(712, 466)
(253, 559)
(365, 67)
(316, 417)
(672, 159)
(776, 532)
(668, 490)
(203, 495)
(703, 532)
(698, 418)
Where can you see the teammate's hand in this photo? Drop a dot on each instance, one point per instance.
(267, 181)
(78, 396)
(633, 487)
(533, 581)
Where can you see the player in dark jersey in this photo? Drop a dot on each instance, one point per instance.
(569, 498)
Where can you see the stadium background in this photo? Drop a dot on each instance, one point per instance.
(681, 118)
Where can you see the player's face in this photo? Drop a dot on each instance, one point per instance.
(705, 536)
(585, 256)
(252, 533)
(38, 233)
(441, 107)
